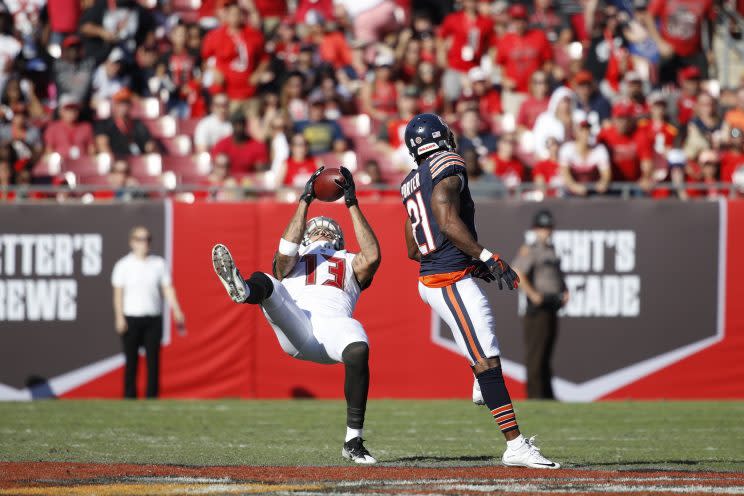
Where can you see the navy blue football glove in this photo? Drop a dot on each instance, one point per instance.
(482, 271)
(502, 271)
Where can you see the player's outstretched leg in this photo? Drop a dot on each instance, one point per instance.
(520, 451)
(224, 267)
(252, 290)
(356, 386)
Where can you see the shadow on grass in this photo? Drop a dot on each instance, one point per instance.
(443, 459)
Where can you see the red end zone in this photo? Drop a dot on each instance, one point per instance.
(83, 478)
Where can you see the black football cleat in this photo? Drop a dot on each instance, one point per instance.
(355, 451)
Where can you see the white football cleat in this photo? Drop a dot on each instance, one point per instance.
(527, 455)
(355, 451)
(477, 395)
(224, 267)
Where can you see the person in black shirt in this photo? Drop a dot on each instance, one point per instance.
(121, 135)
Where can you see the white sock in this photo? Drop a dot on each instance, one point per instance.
(516, 442)
(352, 433)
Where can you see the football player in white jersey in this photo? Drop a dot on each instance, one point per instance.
(310, 299)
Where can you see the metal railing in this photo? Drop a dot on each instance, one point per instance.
(199, 192)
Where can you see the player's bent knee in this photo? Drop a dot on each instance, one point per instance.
(261, 287)
(356, 354)
(486, 364)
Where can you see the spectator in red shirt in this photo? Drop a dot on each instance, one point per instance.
(545, 18)
(660, 131)
(689, 80)
(238, 50)
(536, 102)
(245, 154)
(489, 100)
(630, 148)
(506, 165)
(546, 173)
(379, 95)
(462, 39)
(63, 18)
(680, 40)
(67, 136)
(300, 165)
(706, 171)
(521, 52)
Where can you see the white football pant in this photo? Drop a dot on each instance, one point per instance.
(465, 309)
(320, 339)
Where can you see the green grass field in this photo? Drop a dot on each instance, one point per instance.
(610, 435)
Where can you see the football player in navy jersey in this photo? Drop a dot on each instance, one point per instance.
(440, 234)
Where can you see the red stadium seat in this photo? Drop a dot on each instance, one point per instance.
(189, 167)
(164, 127)
(146, 165)
(89, 166)
(178, 145)
(348, 160)
(355, 125)
(92, 180)
(146, 108)
(186, 4)
(48, 165)
(187, 126)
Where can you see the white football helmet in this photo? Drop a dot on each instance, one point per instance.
(327, 227)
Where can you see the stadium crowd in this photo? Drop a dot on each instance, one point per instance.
(571, 95)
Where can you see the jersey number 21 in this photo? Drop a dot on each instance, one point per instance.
(420, 219)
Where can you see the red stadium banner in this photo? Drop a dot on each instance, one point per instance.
(676, 263)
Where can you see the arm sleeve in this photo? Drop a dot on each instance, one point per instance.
(200, 134)
(446, 165)
(603, 158)
(165, 277)
(117, 275)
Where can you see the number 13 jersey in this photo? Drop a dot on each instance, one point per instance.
(441, 261)
(323, 282)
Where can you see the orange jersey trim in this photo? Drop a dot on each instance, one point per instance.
(444, 279)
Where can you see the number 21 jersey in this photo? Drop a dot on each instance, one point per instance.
(438, 254)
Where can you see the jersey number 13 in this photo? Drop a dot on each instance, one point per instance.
(336, 270)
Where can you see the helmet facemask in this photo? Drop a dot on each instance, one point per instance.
(326, 227)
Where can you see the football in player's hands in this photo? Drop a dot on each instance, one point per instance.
(326, 186)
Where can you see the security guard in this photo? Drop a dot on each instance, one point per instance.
(543, 283)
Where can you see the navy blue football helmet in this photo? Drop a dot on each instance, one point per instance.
(426, 134)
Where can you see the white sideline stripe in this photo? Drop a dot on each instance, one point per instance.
(63, 383)
(8, 393)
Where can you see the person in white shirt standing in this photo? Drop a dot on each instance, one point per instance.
(310, 299)
(140, 280)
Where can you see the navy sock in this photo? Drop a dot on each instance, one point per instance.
(497, 398)
(260, 287)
